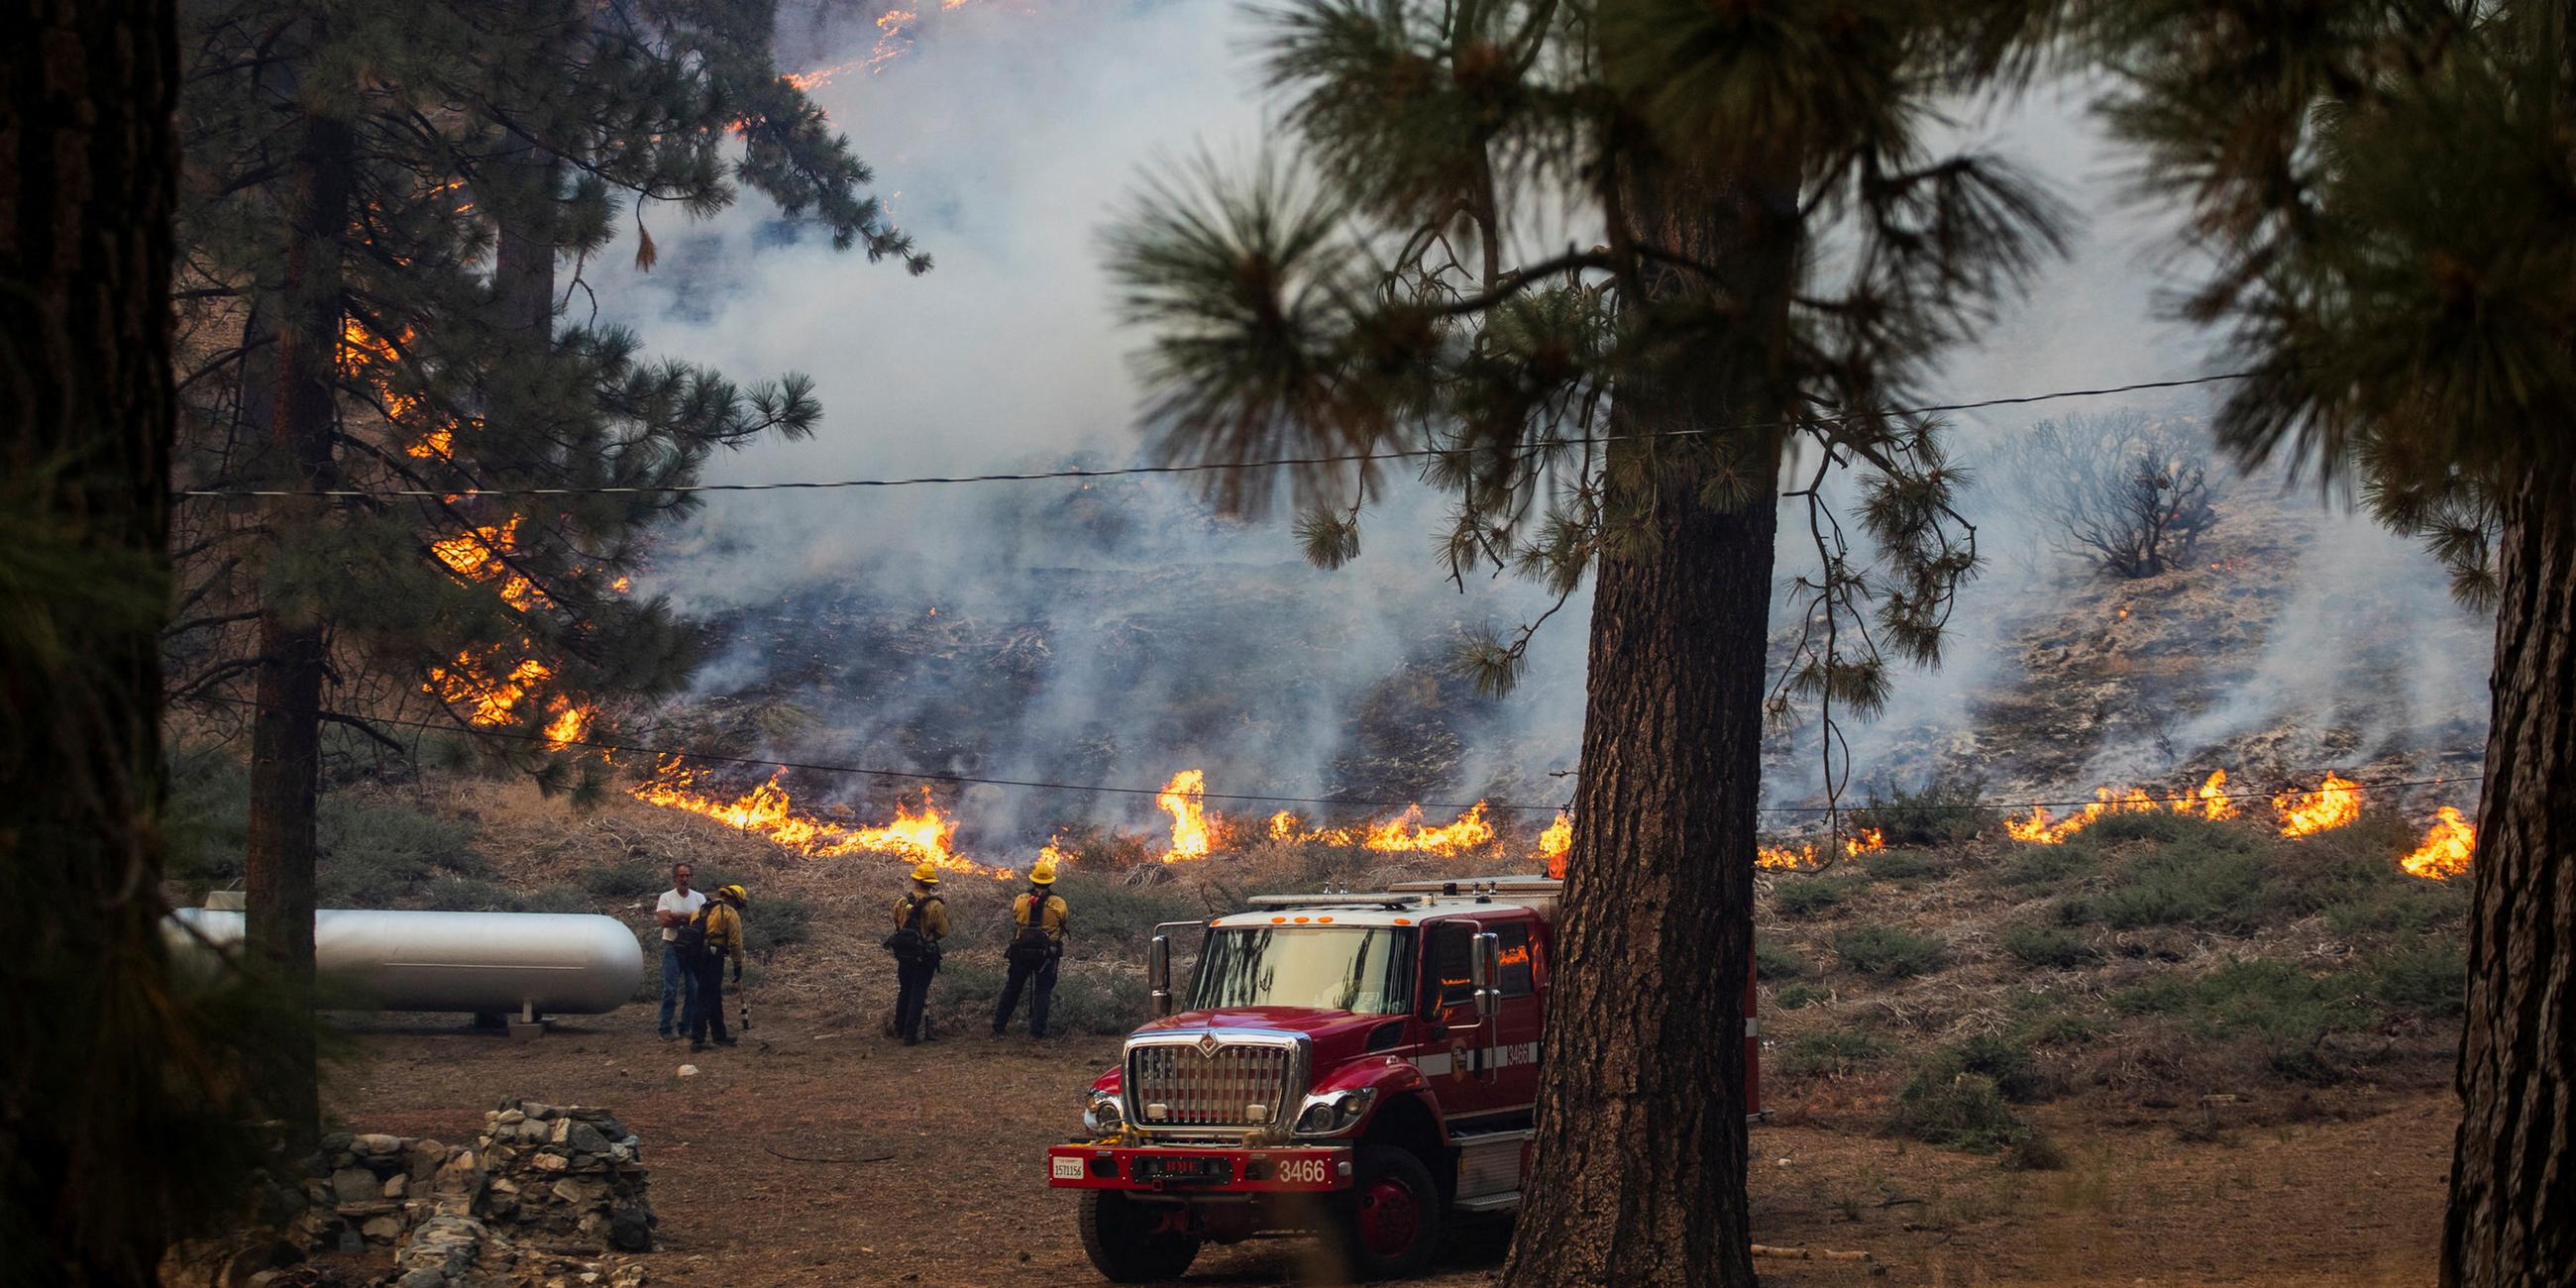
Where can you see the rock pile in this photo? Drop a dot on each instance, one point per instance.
(515, 1208)
(564, 1171)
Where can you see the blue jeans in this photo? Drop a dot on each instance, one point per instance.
(679, 983)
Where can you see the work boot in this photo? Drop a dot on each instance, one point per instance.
(696, 1045)
(728, 1041)
(998, 1033)
(911, 1041)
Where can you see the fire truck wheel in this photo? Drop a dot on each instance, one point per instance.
(1126, 1241)
(1388, 1223)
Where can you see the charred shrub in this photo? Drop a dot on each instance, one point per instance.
(1889, 951)
(1945, 810)
(2049, 946)
(1805, 896)
(1830, 1053)
(2129, 495)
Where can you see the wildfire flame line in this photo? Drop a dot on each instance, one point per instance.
(1803, 855)
(2446, 848)
(767, 811)
(1185, 799)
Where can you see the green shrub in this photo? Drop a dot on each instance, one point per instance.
(1804, 896)
(1105, 909)
(967, 984)
(2045, 865)
(1777, 961)
(776, 922)
(1096, 1002)
(463, 894)
(1943, 1106)
(2415, 905)
(2184, 884)
(550, 899)
(1945, 810)
(1797, 996)
(2034, 1152)
(1832, 1052)
(2430, 980)
(2288, 1011)
(207, 817)
(2049, 946)
(2140, 825)
(2003, 1060)
(1899, 865)
(1889, 951)
(626, 882)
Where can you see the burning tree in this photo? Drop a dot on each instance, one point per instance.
(2130, 494)
(2381, 187)
(382, 201)
(1623, 408)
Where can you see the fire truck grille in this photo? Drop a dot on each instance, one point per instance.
(1232, 1086)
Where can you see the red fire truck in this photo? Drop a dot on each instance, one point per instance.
(1361, 1066)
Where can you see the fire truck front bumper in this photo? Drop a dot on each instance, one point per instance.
(1174, 1169)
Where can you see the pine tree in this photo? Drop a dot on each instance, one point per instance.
(383, 201)
(1776, 255)
(120, 1111)
(2382, 188)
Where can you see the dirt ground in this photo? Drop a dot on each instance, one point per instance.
(814, 1154)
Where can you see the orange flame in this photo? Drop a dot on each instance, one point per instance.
(1555, 843)
(1184, 799)
(487, 693)
(2334, 803)
(2446, 848)
(1803, 854)
(1405, 834)
(766, 811)
(2040, 829)
(2212, 801)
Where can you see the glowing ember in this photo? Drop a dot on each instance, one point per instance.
(570, 725)
(1184, 799)
(2446, 848)
(766, 811)
(1554, 843)
(2334, 803)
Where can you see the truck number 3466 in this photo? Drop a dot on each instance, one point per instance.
(1302, 1171)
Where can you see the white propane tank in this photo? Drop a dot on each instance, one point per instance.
(491, 963)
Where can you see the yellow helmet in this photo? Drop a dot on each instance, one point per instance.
(1043, 872)
(735, 895)
(925, 872)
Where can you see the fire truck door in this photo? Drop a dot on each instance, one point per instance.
(1475, 1070)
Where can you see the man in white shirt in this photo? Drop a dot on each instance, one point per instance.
(673, 910)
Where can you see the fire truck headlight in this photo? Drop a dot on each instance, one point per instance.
(1101, 1115)
(1335, 1112)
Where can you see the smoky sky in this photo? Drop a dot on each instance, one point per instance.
(1004, 135)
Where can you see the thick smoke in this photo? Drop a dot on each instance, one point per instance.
(1115, 632)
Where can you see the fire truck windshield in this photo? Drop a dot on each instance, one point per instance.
(1359, 969)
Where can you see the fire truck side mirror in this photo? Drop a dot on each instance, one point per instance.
(1485, 971)
(1158, 973)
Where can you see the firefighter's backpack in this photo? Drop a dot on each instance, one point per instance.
(1032, 946)
(907, 943)
(692, 937)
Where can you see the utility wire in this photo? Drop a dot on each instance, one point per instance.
(1200, 468)
(683, 755)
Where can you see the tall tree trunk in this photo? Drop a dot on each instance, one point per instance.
(293, 647)
(2512, 1217)
(1641, 1146)
(88, 173)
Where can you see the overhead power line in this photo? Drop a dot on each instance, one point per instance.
(1202, 468)
(684, 755)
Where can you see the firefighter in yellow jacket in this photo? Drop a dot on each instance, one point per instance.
(1037, 944)
(920, 922)
(713, 934)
